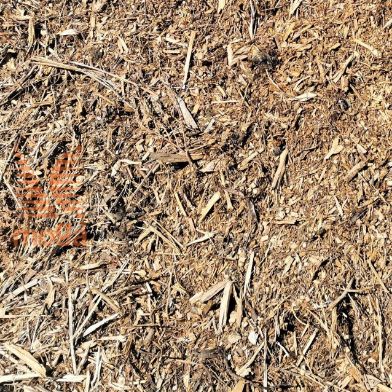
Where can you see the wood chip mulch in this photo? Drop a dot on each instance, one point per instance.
(235, 170)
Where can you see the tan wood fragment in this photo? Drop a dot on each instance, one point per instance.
(214, 198)
(281, 169)
(211, 292)
(188, 58)
(224, 308)
(355, 170)
(174, 158)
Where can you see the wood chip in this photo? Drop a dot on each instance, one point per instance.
(205, 237)
(186, 114)
(235, 172)
(355, 170)
(221, 5)
(343, 68)
(239, 387)
(214, 198)
(245, 370)
(175, 158)
(245, 163)
(374, 51)
(388, 24)
(281, 169)
(188, 58)
(224, 307)
(248, 272)
(304, 97)
(335, 149)
(383, 388)
(99, 324)
(211, 292)
(294, 5)
(68, 32)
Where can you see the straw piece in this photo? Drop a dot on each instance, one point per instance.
(26, 358)
(188, 58)
(12, 378)
(204, 296)
(204, 212)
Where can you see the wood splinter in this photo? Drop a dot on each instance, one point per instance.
(281, 168)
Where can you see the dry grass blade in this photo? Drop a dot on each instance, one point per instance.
(26, 358)
(99, 324)
(204, 296)
(12, 378)
(72, 378)
(188, 58)
(307, 346)
(91, 72)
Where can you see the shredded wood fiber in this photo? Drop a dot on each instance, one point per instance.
(235, 174)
